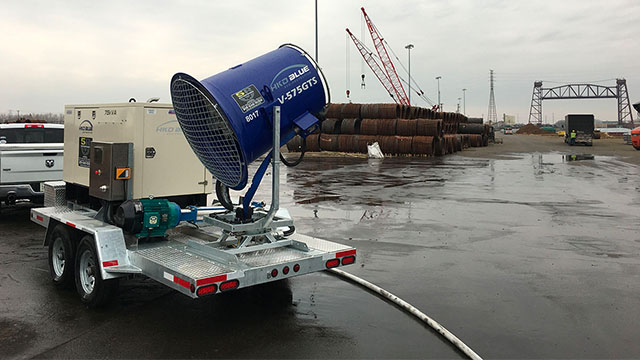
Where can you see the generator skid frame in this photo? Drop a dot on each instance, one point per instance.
(218, 255)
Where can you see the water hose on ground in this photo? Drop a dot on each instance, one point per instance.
(412, 310)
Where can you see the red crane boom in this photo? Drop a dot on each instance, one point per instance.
(392, 75)
(375, 67)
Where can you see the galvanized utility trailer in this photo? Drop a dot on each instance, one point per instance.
(92, 255)
(131, 168)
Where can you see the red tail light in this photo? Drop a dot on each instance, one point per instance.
(207, 290)
(348, 260)
(296, 268)
(285, 270)
(333, 263)
(274, 272)
(28, 126)
(229, 285)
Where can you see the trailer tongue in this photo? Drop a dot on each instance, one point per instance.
(133, 232)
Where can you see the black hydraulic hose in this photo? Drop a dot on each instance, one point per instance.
(303, 148)
(222, 193)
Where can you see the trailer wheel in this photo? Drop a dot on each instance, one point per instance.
(61, 257)
(93, 290)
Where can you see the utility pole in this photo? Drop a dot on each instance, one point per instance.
(492, 117)
(464, 102)
(409, 47)
(439, 103)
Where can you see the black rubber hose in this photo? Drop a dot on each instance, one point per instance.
(303, 148)
(222, 193)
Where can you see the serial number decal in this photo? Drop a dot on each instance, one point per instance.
(248, 98)
(297, 90)
(251, 116)
(111, 112)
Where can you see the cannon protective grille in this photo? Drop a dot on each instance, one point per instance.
(208, 131)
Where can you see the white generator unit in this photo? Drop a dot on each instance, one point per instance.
(163, 163)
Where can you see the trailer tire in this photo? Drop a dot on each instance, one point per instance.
(61, 257)
(93, 290)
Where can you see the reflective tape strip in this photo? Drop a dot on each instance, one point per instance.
(177, 280)
(71, 224)
(211, 280)
(346, 253)
(109, 263)
(39, 218)
(181, 282)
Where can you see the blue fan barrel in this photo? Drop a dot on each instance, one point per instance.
(227, 118)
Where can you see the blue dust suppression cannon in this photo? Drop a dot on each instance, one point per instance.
(228, 118)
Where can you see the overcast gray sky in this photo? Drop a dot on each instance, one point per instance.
(64, 52)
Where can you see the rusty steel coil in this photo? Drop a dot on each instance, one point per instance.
(474, 120)
(428, 127)
(388, 144)
(423, 145)
(387, 126)
(389, 111)
(450, 143)
(406, 127)
(362, 141)
(347, 143)
(459, 145)
(334, 111)
(328, 142)
(313, 144)
(475, 140)
(438, 146)
(331, 126)
(350, 111)
(369, 127)
(465, 140)
(350, 126)
(466, 128)
(369, 111)
(404, 144)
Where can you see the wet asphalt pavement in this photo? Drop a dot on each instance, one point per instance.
(526, 256)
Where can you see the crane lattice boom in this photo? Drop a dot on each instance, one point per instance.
(390, 70)
(375, 67)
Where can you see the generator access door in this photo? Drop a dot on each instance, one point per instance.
(170, 166)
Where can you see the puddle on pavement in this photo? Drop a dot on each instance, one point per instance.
(580, 157)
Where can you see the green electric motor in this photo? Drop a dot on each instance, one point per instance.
(147, 217)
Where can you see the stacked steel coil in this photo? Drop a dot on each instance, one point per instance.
(398, 130)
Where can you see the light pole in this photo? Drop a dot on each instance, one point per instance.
(464, 102)
(409, 47)
(458, 111)
(439, 104)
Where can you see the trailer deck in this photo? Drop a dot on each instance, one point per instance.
(197, 261)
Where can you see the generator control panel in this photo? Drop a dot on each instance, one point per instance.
(110, 170)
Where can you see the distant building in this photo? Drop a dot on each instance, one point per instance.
(509, 119)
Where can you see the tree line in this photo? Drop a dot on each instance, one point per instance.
(55, 118)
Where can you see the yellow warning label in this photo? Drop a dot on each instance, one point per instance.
(123, 173)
